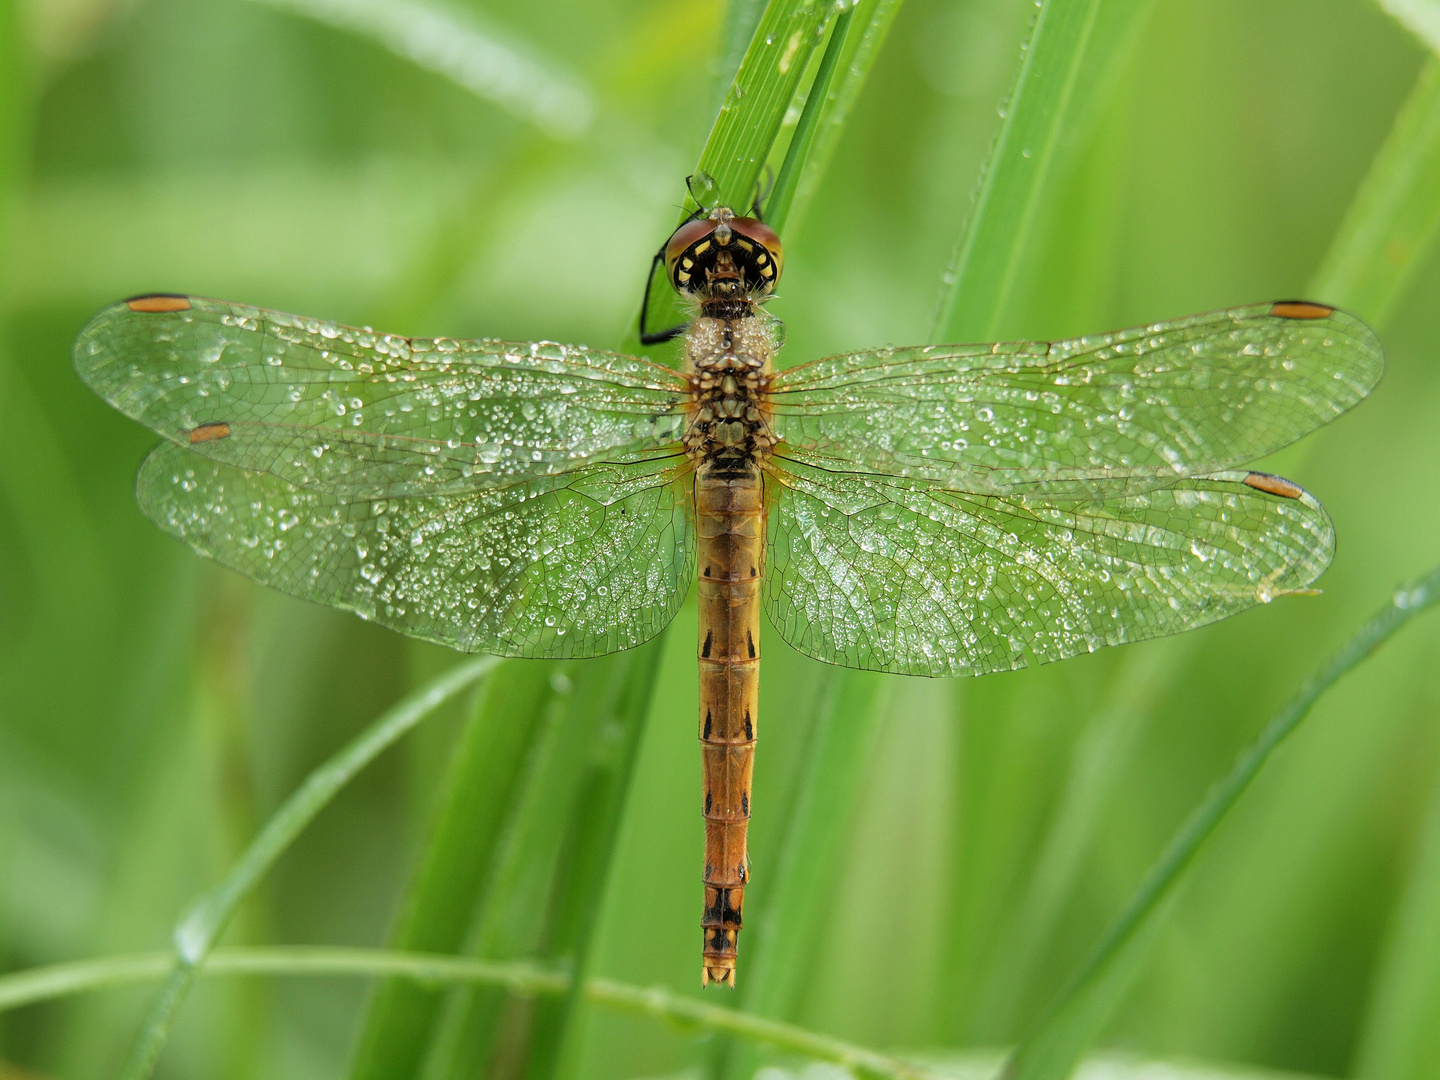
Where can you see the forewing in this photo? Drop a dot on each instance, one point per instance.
(580, 565)
(359, 414)
(1191, 397)
(907, 576)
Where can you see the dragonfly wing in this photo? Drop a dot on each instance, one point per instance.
(361, 414)
(908, 576)
(1190, 397)
(588, 563)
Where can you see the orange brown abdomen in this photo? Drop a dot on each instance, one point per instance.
(730, 516)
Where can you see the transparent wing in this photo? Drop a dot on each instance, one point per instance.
(1191, 397)
(907, 576)
(360, 414)
(589, 563)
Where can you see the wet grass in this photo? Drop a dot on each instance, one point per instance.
(933, 861)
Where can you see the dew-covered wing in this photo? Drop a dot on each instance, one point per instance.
(1191, 397)
(578, 565)
(360, 414)
(907, 576)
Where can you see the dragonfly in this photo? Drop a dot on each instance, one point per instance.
(937, 510)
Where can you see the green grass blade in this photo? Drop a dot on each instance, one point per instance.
(518, 977)
(1400, 1039)
(1055, 1044)
(595, 819)
(802, 140)
(861, 47)
(1070, 65)
(550, 864)
(481, 785)
(198, 931)
(1390, 227)
(782, 952)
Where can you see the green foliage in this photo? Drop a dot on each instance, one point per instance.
(933, 861)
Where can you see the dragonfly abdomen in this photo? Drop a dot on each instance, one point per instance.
(730, 519)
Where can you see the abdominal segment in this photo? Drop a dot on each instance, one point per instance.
(730, 516)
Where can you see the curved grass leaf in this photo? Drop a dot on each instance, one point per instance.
(197, 932)
(1055, 1044)
(518, 977)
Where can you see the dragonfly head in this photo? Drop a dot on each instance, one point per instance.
(724, 257)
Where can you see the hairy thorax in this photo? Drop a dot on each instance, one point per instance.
(729, 364)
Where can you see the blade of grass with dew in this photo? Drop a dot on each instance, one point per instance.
(1400, 1038)
(750, 117)
(861, 47)
(518, 977)
(481, 785)
(1391, 225)
(197, 932)
(810, 857)
(1069, 67)
(596, 815)
(555, 858)
(802, 139)
(513, 920)
(1055, 1044)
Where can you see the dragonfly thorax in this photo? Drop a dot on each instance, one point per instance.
(728, 364)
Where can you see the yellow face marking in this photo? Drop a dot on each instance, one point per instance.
(1300, 309)
(702, 247)
(157, 304)
(745, 245)
(682, 277)
(767, 270)
(209, 433)
(1274, 485)
(687, 263)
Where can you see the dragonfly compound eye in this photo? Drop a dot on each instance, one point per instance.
(722, 254)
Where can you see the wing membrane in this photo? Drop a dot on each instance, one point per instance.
(338, 409)
(580, 565)
(906, 576)
(1190, 397)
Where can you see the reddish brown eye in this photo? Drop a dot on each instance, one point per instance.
(765, 237)
(684, 238)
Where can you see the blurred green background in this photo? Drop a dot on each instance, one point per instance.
(155, 709)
